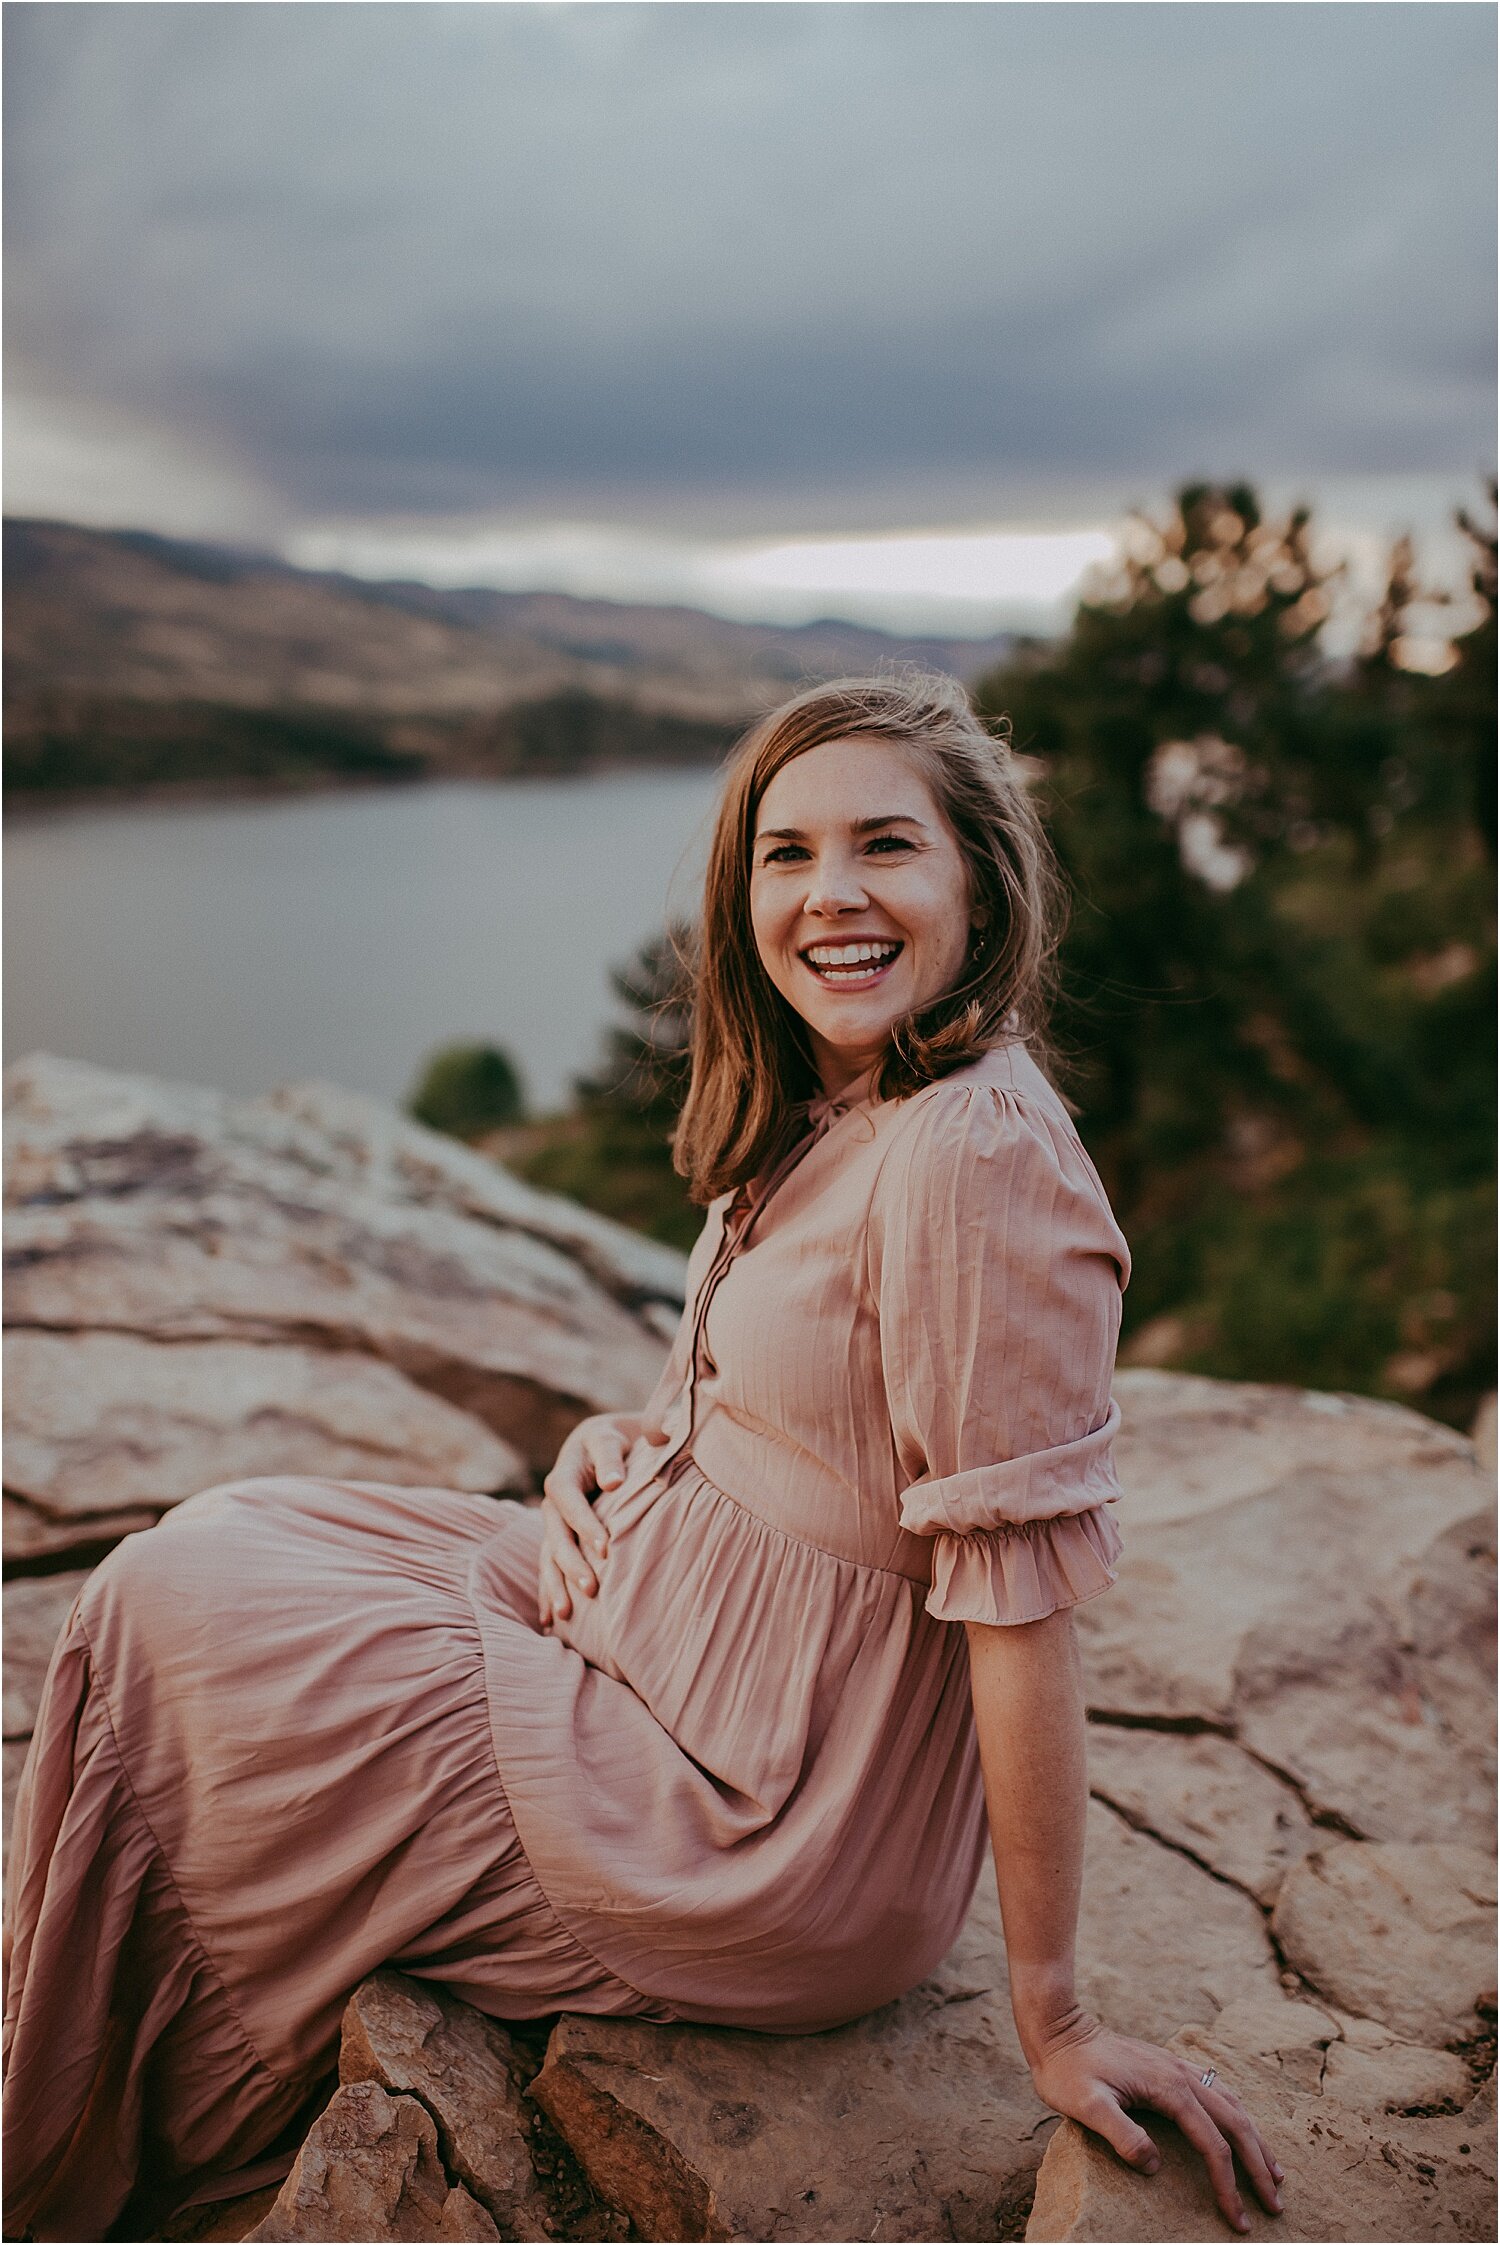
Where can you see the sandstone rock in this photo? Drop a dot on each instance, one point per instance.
(14, 1752)
(36, 1606)
(369, 1140)
(1376, 2071)
(1159, 1940)
(410, 2037)
(1375, 1711)
(180, 1215)
(1405, 1935)
(369, 2171)
(918, 2122)
(1450, 1622)
(99, 1420)
(1360, 2169)
(1204, 1794)
(32, 1536)
(1275, 1541)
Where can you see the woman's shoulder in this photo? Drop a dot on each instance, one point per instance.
(1000, 1094)
(991, 1136)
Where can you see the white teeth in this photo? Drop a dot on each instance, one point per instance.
(850, 954)
(850, 963)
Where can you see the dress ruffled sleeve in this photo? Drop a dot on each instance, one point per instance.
(997, 1269)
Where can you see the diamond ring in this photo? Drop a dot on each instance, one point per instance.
(1210, 2077)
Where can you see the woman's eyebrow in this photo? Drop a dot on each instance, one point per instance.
(857, 826)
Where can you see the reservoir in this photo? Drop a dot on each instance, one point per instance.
(345, 935)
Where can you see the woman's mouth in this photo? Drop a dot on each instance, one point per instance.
(851, 966)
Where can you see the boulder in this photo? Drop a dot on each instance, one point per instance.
(369, 2171)
(412, 2039)
(14, 1761)
(363, 1138)
(1404, 1935)
(34, 1538)
(97, 1420)
(1358, 2163)
(1282, 1549)
(918, 2122)
(317, 1221)
(36, 1607)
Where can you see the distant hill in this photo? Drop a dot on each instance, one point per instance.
(136, 661)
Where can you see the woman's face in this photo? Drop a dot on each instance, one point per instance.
(859, 898)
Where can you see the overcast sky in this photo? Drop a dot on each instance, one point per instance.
(496, 283)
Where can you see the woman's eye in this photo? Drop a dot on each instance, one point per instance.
(891, 841)
(782, 852)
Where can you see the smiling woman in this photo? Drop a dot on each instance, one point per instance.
(873, 909)
(711, 1734)
(876, 814)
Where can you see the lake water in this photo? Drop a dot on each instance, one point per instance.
(344, 935)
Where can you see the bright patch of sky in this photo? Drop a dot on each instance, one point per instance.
(949, 581)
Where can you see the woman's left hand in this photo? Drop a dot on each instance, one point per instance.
(1092, 2074)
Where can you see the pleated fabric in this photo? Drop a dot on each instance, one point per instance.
(306, 1727)
(262, 1766)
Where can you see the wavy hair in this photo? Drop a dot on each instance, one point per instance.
(751, 1065)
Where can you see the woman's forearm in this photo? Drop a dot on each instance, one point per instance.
(1027, 1684)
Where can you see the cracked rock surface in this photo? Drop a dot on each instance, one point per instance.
(414, 2040)
(1202, 1794)
(1360, 2163)
(1404, 1935)
(370, 2170)
(1312, 1575)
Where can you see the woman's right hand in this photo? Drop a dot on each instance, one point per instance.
(574, 1539)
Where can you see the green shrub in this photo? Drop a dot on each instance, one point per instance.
(468, 1089)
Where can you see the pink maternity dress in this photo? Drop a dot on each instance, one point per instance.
(305, 1727)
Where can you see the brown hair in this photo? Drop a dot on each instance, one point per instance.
(751, 1066)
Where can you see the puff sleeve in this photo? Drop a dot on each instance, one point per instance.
(996, 1269)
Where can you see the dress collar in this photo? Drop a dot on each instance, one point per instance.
(819, 1115)
(824, 1109)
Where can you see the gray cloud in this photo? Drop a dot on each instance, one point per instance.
(418, 258)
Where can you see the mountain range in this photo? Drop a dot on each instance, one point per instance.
(137, 661)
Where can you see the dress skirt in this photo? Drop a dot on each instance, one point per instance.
(263, 1766)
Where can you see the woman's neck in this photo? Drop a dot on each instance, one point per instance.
(847, 1079)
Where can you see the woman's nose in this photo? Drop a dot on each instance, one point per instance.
(836, 887)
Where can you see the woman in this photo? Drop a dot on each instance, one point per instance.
(709, 1735)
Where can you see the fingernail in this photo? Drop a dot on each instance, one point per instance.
(1278, 2171)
